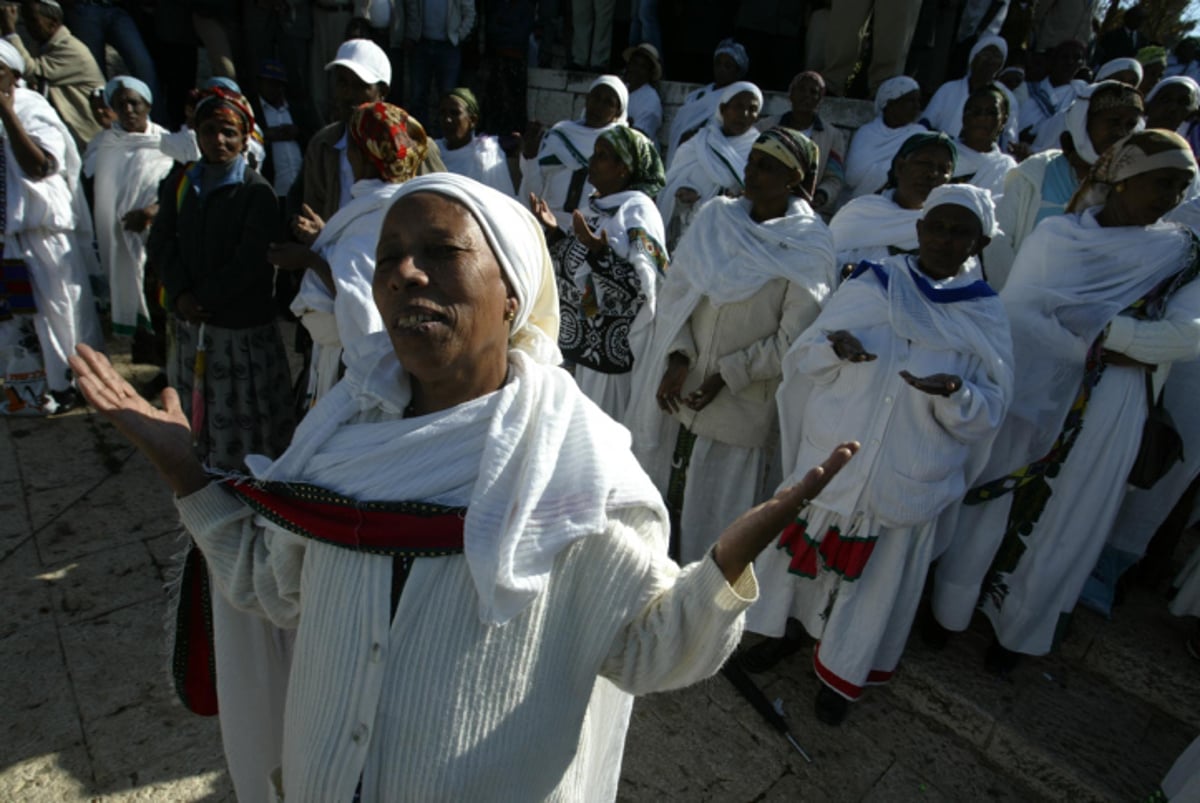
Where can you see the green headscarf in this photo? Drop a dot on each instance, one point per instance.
(915, 143)
(637, 152)
(468, 99)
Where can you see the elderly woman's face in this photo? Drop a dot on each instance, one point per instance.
(806, 95)
(920, 172)
(767, 178)
(606, 172)
(440, 290)
(1170, 107)
(132, 110)
(739, 114)
(602, 107)
(457, 122)
(1148, 196)
(903, 110)
(220, 141)
(947, 237)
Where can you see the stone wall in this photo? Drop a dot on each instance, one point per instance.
(559, 95)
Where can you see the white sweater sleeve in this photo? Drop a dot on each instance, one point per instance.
(256, 569)
(974, 411)
(1176, 337)
(690, 625)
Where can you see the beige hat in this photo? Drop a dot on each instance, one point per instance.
(651, 52)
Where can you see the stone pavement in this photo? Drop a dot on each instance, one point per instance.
(87, 534)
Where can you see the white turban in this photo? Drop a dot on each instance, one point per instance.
(616, 85)
(126, 82)
(976, 199)
(1077, 119)
(736, 88)
(10, 57)
(989, 41)
(1180, 80)
(894, 88)
(520, 247)
(1111, 68)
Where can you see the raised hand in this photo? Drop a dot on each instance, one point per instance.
(934, 384)
(585, 235)
(848, 347)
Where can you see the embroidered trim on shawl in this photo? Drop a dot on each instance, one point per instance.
(846, 555)
(413, 529)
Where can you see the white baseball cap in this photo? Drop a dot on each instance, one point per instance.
(365, 59)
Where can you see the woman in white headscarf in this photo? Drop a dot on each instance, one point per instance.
(748, 278)
(127, 162)
(944, 111)
(1042, 185)
(555, 168)
(914, 353)
(47, 226)
(898, 105)
(980, 161)
(711, 163)
(730, 63)
(1099, 298)
(466, 544)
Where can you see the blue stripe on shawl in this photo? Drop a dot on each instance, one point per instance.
(938, 295)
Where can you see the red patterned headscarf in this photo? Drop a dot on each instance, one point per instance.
(225, 105)
(394, 141)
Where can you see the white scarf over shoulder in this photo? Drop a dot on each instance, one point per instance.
(537, 465)
(707, 163)
(726, 256)
(51, 203)
(1071, 278)
(871, 152)
(874, 221)
(480, 159)
(347, 243)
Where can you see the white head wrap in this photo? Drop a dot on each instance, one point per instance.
(1111, 68)
(736, 52)
(127, 82)
(989, 41)
(894, 88)
(520, 247)
(978, 200)
(10, 57)
(1181, 80)
(1077, 120)
(735, 89)
(616, 85)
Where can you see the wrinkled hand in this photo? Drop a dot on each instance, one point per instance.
(752, 531)
(671, 384)
(848, 347)
(290, 256)
(138, 220)
(934, 384)
(702, 396)
(307, 225)
(541, 211)
(190, 310)
(585, 235)
(532, 139)
(162, 435)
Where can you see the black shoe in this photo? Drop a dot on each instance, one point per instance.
(831, 707)
(57, 402)
(768, 653)
(933, 635)
(999, 660)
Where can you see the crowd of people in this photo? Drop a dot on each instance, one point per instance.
(908, 373)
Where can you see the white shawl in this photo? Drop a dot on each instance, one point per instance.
(537, 465)
(127, 167)
(698, 106)
(875, 223)
(347, 243)
(984, 170)
(51, 203)
(1071, 278)
(708, 163)
(726, 256)
(871, 152)
(480, 159)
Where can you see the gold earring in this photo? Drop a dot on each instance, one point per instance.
(1120, 187)
(510, 315)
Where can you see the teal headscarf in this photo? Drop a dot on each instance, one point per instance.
(915, 143)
